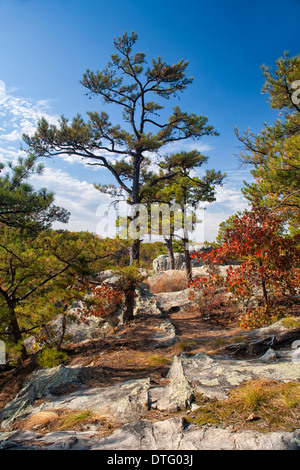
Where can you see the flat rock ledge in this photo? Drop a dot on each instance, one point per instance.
(171, 434)
(123, 402)
(127, 403)
(214, 377)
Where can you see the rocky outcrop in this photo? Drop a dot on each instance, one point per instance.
(166, 334)
(175, 434)
(269, 345)
(213, 377)
(162, 262)
(173, 301)
(177, 395)
(128, 404)
(171, 434)
(146, 302)
(122, 403)
(41, 383)
(76, 331)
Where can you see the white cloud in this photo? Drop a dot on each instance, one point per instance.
(80, 198)
(2, 91)
(86, 204)
(20, 115)
(229, 201)
(12, 136)
(230, 197)
(187, 146)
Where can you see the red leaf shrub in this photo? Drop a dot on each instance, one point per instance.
(268, 272)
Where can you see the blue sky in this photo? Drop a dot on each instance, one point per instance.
(46, 47)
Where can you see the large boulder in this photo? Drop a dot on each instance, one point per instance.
(162, 262)
(145, 301)
(173, 301)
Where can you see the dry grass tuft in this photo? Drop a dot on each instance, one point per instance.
(59, 420)
(261, 404)
(39, 420)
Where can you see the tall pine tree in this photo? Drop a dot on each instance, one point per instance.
(129, 84)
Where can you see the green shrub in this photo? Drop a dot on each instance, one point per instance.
(50, 357)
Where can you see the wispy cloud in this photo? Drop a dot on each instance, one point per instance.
(80, 198)
(187, 146)
(20, 115)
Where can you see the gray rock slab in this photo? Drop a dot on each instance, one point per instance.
(162, 262)
(18, 440)
(175, 434)
(273, 329)
(146, 302)
(211, 438)
(171, 434)
(269, 356)
(40, 383)
(171, 301)
(59, 440)
(144, 435)
(214, 377)
(68, 440)
(121, 402)
(166, 335)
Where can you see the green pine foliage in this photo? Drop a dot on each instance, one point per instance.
(274, 153)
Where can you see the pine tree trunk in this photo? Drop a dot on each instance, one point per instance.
(63, 331)
(187, 259)
(129, 304)
(17, 335)
(169, 245)
(134, 252)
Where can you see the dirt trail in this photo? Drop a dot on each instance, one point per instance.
(130, 353)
